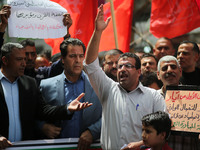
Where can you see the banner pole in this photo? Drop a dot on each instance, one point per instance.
(114, 23)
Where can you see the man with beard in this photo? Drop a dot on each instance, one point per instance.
(110, 63)
(169, 72)
(125, 102)
(188, 55)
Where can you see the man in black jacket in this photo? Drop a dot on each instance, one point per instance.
(21, 102)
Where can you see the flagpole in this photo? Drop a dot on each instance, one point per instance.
(114, 23)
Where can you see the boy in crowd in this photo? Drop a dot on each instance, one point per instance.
(155, 130)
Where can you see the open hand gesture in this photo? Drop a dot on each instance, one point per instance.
(100, 24)
(76, 105)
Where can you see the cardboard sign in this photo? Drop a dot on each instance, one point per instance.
(184, 109)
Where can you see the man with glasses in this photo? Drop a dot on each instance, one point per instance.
(124, 102)
(110, 63)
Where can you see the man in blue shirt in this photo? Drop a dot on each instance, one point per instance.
(62, 89)
(21, 102)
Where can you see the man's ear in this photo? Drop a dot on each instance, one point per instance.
(158, 75)
(4, 60)
(62, 59)
(154, 51)
(196, 57)
(139, 71)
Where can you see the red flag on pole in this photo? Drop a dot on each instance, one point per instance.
(83, 13)
(123, 14)
(172, 18)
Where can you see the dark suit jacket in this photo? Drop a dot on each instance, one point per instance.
(32, 107)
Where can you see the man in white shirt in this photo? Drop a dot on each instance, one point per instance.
(124, 102)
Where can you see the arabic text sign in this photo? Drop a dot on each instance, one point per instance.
(36, 19)
(184, 109)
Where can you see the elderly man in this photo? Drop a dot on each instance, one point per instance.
(20, 100)
(163, 47)
(125, 102)
(188, 55)
(169, 72)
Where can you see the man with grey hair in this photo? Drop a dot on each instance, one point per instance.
(21, 101)
(169, 72)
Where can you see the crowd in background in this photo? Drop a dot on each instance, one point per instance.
(108, 95)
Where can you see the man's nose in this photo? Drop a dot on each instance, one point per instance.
(143, 134)
(147, 64)
(163, 50)
(114, 65)
(169, 69)
(28, 56)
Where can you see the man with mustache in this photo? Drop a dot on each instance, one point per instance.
(63, 88)
(169, 72)
(110, 63)
(125, 102)
(188, 55)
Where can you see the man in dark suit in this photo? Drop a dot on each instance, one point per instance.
(21, 102)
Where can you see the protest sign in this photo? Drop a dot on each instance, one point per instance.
(183, 107)
(36, 19)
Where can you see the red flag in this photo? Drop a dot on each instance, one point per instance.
(123, 14)
(83, 13)
(172, 18)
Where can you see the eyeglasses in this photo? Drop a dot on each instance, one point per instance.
(127, 66)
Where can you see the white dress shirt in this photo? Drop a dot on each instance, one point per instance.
(122, 111)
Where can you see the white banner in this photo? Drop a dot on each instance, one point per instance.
(36, 19)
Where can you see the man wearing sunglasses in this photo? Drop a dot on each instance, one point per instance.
(124, 102)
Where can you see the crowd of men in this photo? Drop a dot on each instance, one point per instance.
(82, 96)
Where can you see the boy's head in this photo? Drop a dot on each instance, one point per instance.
(155, 128)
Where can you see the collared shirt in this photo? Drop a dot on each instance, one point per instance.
(11, 93)
(71, 128)
(122, 111)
